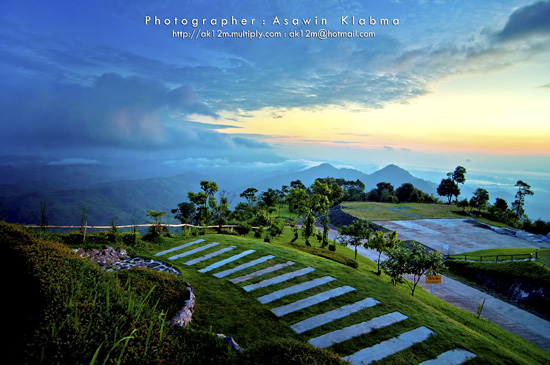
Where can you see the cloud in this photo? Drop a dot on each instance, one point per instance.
(388, 148)
(250, 143)
(528, 20)
(545, 86)
(73, 161)
(114, 111)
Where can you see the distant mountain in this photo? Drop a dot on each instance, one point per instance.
(391, 173)
(397, 176)
(123, 199)
(307, 177)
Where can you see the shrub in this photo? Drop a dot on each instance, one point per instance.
(130, 238)
(243, 228)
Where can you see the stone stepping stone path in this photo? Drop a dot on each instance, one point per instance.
(226, 261)
(364, 356)
(350, 332)
(261, 272)
(278, 279)
(390, 347)
(309, 301)
(294, 289)
(223, 274)
(210, 255)
(195, 250)
(452, 357)
(333, 315)
(178, 248)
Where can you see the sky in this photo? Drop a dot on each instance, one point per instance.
(444, 83)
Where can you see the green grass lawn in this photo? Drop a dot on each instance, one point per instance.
(372, 211)
(225, 308)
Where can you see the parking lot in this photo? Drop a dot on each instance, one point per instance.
(455, 236)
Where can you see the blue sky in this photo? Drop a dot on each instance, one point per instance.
(455, 83)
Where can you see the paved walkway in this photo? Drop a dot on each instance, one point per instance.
(522, 323)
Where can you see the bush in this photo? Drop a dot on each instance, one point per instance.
(258, 233)
(277, 227)
(243, 228)
(130, 238)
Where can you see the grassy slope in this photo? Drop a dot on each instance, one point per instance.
(226, 308)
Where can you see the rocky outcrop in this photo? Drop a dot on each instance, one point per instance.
(110, 259)
(185, 314)
(230, 341)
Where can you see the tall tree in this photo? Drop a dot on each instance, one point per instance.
(250, 196)
(404, 192)
(157, 225)
(448, 188)
(297, 201)
(414, 260)
(355, 233)
(184, 212)
(381, 243)
(204, 200)
(320, 204)
(480, 199)
(524, 190)
(458, 176)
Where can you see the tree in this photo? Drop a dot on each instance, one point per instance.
(458, 176)
(297, 201)
(524, 190)
(320, 204)
(414, 260)
(157, 228)
(221, 211)
(404, 192)
(184, 212)
(297, 184)
(463, 204)
(448, 188)
(204, 200)
(479, 199)
(355, 233)
(269, 201)
(499, 210)
(250, 195)
(44, 218)
(381, 243)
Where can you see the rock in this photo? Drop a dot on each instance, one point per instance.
(230, 341)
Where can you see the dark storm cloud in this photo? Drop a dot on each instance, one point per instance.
(528, 20)
(133, 112)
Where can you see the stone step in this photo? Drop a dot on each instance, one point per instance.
(278, 279)
(452, 357)
(223, 274)
(226, 261)
(309, 301)
(178, 248)
(261, 272)
(195, 250)
(209, 256)
(333, 315)
(294, 289)
(350, 332)
(390, 347)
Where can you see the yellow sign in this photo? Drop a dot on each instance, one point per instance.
(433, 279)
